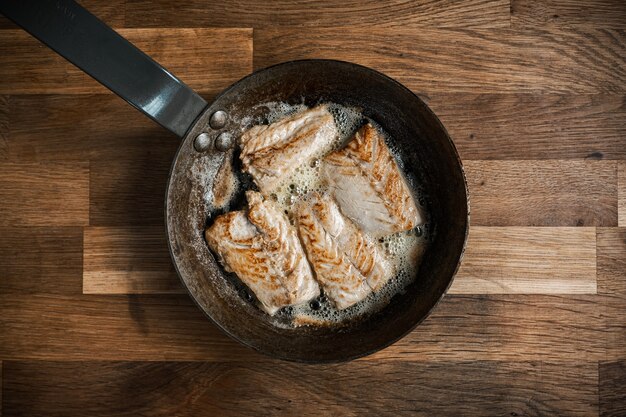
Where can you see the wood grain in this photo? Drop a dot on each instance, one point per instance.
(517, 327)
(483, 126)
(612, 389)
(525, 260)
(51, 194)
(568, 13)
(534, 126)
(543, 193)
(111, 12)
(82, 127)
(325, 13)
(621, 193)
(4, 126)
(498, 260)
(37, 260)
(208, 60)
(133, 327)
(476, 61)
(129, 191)
(131, 260)
(171, 327)
(279, 389)
(612, 261)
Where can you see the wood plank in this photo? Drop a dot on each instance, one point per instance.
(498, 260)
(612, 282)
(133, 327)
(612, 261)
(476, 61)
(612, 381)
(597, 13)
(208, 60)
(41, 260)
(51, 194)
(131, 260)
(534, 126)
(524, 260)
(82, 127)
(170, 327)
(621, 193)
(129, 191)
(516, 327)
(324, 13)
(4, 126)
(279, 388)
(111, 12)
(483, 126)
(543, 193)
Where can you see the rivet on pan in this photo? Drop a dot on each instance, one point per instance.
(224, 141)
(218, 119)
(202, 143)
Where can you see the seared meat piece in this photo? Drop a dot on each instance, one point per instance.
(368, 186)
(272, 152)
(347, 263)
(262, 248)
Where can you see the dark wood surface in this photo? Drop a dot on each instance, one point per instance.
(94, 322)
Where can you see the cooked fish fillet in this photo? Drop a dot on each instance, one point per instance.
(368, 186)
(271, 152)
(262, 248)
(347, 263)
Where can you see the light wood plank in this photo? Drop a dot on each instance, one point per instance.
(534, 126)
(35, 260)
(51, 194)
(621, 193)
(498, 260)
(83, 127)
(208, 60)
(612, 388)
(612, 262)
(128, 261)
(543, 193)
(597, 13)
(171, 327)
(496, 61)
(324, 13)
(280, 388)
(525, 260)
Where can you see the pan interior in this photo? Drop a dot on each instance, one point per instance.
(428, 156)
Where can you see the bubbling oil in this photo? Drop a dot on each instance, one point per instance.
(403, 250)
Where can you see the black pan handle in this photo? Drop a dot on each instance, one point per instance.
(85, 41)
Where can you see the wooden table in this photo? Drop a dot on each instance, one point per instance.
(92, 317)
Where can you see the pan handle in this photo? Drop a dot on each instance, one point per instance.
(85, 41)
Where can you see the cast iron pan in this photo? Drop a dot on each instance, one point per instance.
(209, 130)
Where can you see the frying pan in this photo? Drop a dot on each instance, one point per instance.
(209, 130)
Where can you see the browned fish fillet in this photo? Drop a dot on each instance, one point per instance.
(272, 152)
(368, 186)
(262, 248)
(347, 263)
